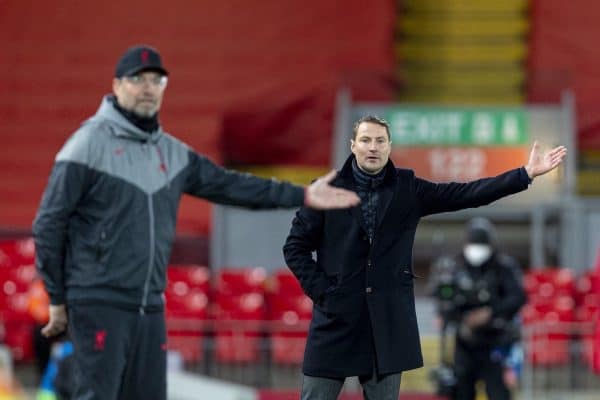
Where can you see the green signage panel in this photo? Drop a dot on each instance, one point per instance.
(458, 127)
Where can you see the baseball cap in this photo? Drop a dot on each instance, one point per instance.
(139, 58)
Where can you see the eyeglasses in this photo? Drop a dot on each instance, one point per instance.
(139, 80)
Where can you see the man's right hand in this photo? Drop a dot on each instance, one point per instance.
(57, 322)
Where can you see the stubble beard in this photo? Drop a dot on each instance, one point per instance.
(145, 112)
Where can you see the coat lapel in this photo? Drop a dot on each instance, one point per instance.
(386, 194)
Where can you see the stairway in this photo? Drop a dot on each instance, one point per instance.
(462, 51)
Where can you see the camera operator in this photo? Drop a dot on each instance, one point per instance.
(480, 293)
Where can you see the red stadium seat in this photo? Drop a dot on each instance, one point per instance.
(184, 302)
(563, 280)
(531, 282)
(19, 338)
(239, 323)
(15, 282)
(548, 344)
(237, 281)
(583, 285)
(287, 350)
(237, 347)
(588, 314)
(188, 290)
(187, 305)
(190, 347)
(195, 276)
(547, 282)
(14, 253)
(239, 314)
(290, 311)
(596, 351)
(285, 294)
(285, 283)
(548, 315)
(15, 306)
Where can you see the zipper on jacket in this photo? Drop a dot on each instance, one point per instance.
(151, 255)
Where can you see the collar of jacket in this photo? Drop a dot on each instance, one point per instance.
(366, 181)
(346, 180)
(106, 111)
(347, 177)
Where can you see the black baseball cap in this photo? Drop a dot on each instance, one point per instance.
(137, 59)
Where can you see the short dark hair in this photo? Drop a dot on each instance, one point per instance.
(374, 119)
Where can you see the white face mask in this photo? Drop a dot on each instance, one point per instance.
(476, 254)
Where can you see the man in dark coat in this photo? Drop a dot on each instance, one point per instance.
(364, 321)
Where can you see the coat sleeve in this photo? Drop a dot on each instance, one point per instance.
(304, 238)
(69, 179)
(513, 294)
(435, 198)
(219, 185)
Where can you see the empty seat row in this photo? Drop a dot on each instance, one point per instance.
(561, 308)
(246, 314)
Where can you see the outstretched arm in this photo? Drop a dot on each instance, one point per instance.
(443, 197)
(219, 185)
(543, 162)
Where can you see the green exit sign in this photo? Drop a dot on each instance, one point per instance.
(458, 127)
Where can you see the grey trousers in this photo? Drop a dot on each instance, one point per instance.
(383, 388)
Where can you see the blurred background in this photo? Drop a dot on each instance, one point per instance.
(272, 88)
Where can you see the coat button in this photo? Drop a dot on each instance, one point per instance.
(369, 289)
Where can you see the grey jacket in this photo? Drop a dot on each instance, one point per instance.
(106, 223)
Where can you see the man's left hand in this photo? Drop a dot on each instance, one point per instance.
(321, 195)
(543, 162)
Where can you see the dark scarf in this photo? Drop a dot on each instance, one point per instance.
(147, 124)
(367, 188)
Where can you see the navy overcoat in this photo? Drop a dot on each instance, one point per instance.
(362, 288)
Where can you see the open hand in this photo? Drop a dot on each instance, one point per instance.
(543, 162)
(321, 195)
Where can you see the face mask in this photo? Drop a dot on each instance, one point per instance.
(477, 254)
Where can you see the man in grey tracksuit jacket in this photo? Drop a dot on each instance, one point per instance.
(106, 224)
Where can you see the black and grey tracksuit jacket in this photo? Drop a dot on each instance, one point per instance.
(106, 223)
